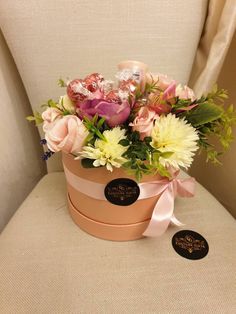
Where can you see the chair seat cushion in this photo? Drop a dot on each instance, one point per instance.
(49, 265)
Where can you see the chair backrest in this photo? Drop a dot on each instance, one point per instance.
(51, 39)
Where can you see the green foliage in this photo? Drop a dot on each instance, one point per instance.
(87, 163)
(221, 129)
(142, 158)
(124, 142)
(141, 95)
(212, 120)
(37, 118)
(65, 112)
(151, 87)
(217, 95)
(180, 103)
(61, 83)
(50, 103)
(204, 113)
(93, 126)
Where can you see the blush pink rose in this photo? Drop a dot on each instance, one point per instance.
(67, 134)
(143, 123)
(184, 92)
(49, 116)
(114, 113)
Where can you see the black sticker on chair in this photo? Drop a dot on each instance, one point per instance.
(122, 191)
(190, 244)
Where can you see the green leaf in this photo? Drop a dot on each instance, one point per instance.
(163, 171)
(135, 136)
(166, 154)
(52, 103)
(94, 119)
(100, 135)
(89, 137)
(87, 163)
(37, 118)
(204, 113)
(30, 118)
(61, 83)
(124, 142)
(100, 122)
(212, 156)
(92, 128)
(147, 139)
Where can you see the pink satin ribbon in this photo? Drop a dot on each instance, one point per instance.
(163, 211)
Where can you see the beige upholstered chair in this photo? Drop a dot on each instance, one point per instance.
(47, 264)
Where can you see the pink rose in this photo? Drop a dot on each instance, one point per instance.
(114, 113)
(184, 92)
(49, 116)
(143, 123)
(67, 134)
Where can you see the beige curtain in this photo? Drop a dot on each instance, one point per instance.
(215, 41)
(216, 57)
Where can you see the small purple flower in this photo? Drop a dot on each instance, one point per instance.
(114, 113)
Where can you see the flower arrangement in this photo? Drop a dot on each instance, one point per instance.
(145, 123)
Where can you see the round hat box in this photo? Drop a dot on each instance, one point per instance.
(102, 218)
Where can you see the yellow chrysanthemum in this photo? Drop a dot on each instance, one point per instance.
(107, 153)
(171, 134)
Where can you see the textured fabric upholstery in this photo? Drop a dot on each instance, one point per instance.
(20, 164)
(50, 39)
(48, 265)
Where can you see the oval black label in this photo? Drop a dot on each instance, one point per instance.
(122, 191)
(190, 244)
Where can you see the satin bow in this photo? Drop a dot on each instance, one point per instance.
(163, 211)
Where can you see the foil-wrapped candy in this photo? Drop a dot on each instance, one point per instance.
(112, 96)
(77, 91)
(92, 81)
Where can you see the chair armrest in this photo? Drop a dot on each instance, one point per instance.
(20, 163)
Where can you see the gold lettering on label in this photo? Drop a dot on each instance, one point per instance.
(190, 244)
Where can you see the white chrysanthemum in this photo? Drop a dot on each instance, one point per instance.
(171, 134)
(107, 153)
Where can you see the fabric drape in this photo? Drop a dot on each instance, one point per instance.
(217, 34)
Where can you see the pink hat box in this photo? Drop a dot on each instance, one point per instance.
(101, 218)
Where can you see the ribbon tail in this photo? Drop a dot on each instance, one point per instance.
(186, 187)
(162, 213)
(176, 222)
